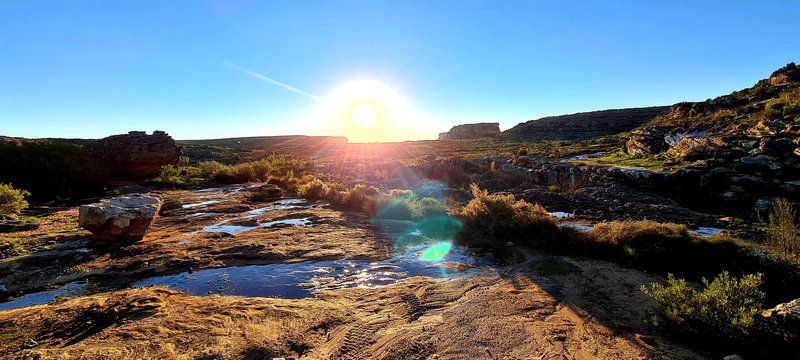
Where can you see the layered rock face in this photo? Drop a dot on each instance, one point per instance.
(745, 147)
(136, 155)
(120, 219)
(583, 125)
(471, 131)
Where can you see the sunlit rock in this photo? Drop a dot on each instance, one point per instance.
(123, 218)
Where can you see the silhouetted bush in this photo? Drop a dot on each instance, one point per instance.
(12, 201)
(51, 169)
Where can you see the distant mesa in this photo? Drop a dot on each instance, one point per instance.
(583, 125)
(471, 131)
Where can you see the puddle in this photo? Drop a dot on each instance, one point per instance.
(286, 204)
(69, 289)
(706, 231)
(183, 242)
(200, 204)
(587, 156)
(580, 227)
(303, 279)
(561, 214)
(223, 227)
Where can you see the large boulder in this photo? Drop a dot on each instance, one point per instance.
(136, 155)
(471, 131)
(120, 219)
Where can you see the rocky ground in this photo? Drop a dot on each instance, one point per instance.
(536, 306)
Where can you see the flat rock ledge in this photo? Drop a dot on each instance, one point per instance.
(120, 219)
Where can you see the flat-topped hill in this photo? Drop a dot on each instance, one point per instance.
(583, 125)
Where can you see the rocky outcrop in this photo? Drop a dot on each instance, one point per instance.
(583, 125)
(120, 219)
(471, 131)
(264, 192)
(741, 150)
(136, 155)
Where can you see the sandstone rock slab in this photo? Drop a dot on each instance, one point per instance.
(120, 219)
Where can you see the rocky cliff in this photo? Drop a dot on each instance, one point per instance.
(743, 149)
(471, 131)
(136, 155)
(583, 125)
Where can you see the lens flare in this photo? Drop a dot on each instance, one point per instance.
(436, 252)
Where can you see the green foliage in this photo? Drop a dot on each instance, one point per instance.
(501, 217)
(314, 190)
(429, 207)
(172, 175)
(51, 169)
(275, 168)
(619, 158)
(12, 201)
(724, 310)
(783, 229)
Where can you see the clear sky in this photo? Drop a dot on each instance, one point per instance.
(210, 69)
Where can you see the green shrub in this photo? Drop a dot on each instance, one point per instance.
(360, 198)
(208, 169)
(429, 207)
(12, 201)
(398, 209)
(648, 243)
(725, 309)
(314, 190)
(501, 217)
(782, 228)
(171, 176)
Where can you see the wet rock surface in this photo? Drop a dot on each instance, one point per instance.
(361, 292)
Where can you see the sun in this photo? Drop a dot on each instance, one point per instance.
(364, 116)
(367, 111)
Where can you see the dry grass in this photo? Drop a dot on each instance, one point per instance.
(502, 217)
(638, 233)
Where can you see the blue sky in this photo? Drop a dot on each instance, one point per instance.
(94, 68)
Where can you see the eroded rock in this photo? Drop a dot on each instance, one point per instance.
(471, 131)
(265, 192)
(123, 218)
(136, 155)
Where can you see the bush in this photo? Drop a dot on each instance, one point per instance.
(782, 228)
(648, 243)
(51, 169)
(430, 207)
(208, 169)
(501, 217)
(314, 190)
(726, 309)
(171, 176)
(360, 198)
(12, 201)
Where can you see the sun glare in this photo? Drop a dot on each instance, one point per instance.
(364, 116)
(368, 111)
